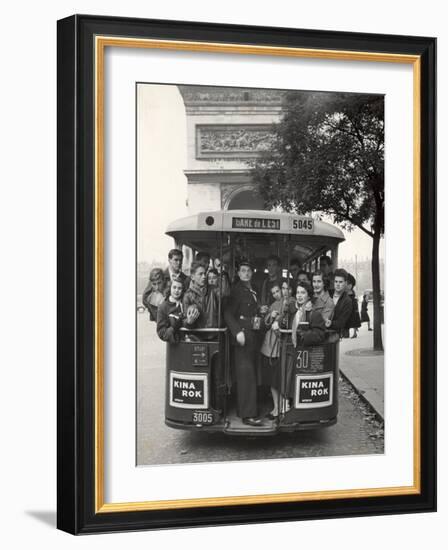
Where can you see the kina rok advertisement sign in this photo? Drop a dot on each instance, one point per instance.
(189, 390)
(314, 391)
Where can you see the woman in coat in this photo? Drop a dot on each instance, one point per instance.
(307, 329)
(306, 322)
(322, 301)
(170, 314)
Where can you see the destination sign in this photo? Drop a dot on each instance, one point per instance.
(256, 223)
(297, 224)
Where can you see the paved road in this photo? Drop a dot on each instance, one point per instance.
(356, 432)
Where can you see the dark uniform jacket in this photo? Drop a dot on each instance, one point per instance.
(240, 307)
(342, 312)
(239, 310)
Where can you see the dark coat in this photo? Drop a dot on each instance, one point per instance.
(342, 312)
(169, 320)
(364, 312)
(315, 333)
(354, 320)
(239, 308)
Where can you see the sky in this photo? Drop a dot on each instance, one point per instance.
(162, 185)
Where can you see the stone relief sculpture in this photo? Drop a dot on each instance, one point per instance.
(235, 139)
(198, 94)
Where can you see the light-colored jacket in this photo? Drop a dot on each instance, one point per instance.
(206, 299)
(324, 305)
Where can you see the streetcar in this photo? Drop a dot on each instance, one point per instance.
(200, 380)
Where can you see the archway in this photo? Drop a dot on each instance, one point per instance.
(246, 199)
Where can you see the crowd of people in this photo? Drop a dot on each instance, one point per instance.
(254, 309)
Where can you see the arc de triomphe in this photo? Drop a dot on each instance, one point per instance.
(226, 129)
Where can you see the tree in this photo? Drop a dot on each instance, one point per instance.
(328, 156)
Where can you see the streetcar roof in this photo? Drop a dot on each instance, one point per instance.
(206, 225)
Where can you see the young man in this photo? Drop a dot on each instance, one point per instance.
(174, 269)
(303, 277)
(326, 266)
(223, 281)
(213, 277)
(204, 259)
(241, 312)
(294, 268)
(343, 304)
(200, 302)
(154, 293)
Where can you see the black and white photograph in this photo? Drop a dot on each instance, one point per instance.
(260, 299)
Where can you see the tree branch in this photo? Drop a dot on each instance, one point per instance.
(338, 128)
(353, 221)
(358, 134)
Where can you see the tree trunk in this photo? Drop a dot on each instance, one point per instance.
(376, 286)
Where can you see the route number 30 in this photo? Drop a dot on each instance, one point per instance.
(302, 359)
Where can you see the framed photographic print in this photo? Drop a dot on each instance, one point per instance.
(246, 274)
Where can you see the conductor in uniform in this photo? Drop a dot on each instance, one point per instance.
(241, 313)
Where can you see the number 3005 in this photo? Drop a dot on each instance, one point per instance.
(202, 417)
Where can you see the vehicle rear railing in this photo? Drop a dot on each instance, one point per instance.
(331, 336)
(204, 330)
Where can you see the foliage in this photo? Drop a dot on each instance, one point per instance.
(328, 156)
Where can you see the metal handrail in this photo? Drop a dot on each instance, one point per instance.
(185, 329)
(289, 331)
